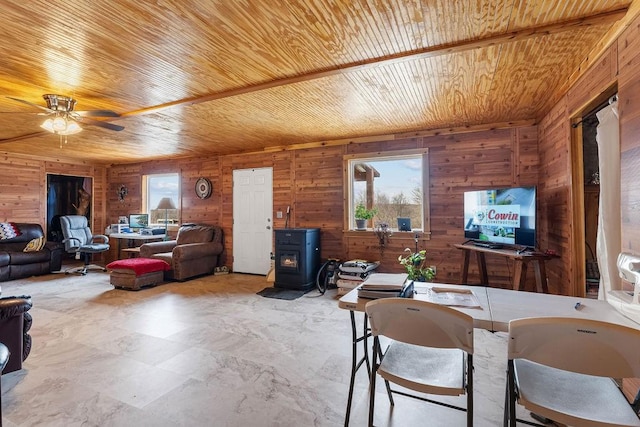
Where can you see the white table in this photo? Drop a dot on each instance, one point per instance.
(497, 308)
(481, 316)
(134, 236)
(506, 305)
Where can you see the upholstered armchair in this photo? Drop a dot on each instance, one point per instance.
(196, 251)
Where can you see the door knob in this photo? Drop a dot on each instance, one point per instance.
(268, 227)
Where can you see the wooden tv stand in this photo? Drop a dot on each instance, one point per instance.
(520, 261)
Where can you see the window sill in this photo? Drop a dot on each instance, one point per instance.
(402, 235)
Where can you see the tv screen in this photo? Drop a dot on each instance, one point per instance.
(138, 220)
(502, 215)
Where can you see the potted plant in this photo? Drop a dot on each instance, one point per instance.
(414, 263)
(362, 215)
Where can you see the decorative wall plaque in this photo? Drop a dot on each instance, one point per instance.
(203, 188)
(122, 192)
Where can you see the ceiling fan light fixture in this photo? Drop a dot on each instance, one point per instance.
(48, 125)
(59, 102)
(71, 128)
(59, 124)
(63, 120)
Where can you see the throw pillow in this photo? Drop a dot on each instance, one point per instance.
(35, 245)
(9, 230)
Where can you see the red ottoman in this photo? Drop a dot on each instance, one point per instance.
(134, 273)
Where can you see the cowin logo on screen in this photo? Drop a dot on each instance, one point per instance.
(586, 331)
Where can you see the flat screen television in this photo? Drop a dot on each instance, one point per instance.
(501, 215)
(138, 220)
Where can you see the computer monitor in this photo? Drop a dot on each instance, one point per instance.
(404, 224)
(137, 221)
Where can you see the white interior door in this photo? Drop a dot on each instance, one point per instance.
(252, 222)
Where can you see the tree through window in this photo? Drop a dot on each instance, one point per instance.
(393, 185)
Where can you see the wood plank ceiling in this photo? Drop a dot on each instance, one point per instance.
(226, 76)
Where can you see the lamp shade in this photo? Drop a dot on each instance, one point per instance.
(72, 128)
(166, 203)
(48, 125)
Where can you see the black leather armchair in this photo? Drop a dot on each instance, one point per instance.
(15, 323)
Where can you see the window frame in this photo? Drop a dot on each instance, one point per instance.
(348, 203)
(145, 196)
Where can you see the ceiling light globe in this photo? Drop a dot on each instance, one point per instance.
(47, 125)
(59, 124)
(72, 128)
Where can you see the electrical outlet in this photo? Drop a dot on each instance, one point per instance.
(279, 214)
(433, 267)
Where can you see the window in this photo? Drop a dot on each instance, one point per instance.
(394, 185)
(155, 188)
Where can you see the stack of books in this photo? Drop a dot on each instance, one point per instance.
(386, 285)
(352, 273)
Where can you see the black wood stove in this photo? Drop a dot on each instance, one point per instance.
(297, 258)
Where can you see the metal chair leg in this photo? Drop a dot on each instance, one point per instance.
(386, 382)
(372, 385)
(469, 390)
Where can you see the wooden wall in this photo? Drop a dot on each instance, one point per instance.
(560, 205)
(629, 106)
(23, 188)
(310, 181)
(554, 194)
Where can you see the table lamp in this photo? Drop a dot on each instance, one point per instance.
(166, 203)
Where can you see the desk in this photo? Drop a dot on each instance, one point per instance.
(498, 307)
(131, 237)
(521, 260)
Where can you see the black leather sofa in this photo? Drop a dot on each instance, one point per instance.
(15, 323)
(17, 264)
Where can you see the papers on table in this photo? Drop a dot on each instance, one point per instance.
(455, 297)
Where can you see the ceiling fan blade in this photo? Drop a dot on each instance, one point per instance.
(97, 113)
(105, 125)
(30, 103)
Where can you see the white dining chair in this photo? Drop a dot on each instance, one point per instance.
(431, 351)
(563, 369)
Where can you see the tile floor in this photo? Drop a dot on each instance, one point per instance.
(207, 352)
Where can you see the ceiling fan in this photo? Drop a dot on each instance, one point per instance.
(64, 120)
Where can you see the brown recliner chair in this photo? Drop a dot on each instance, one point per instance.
(196, 251)
(15, 323)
